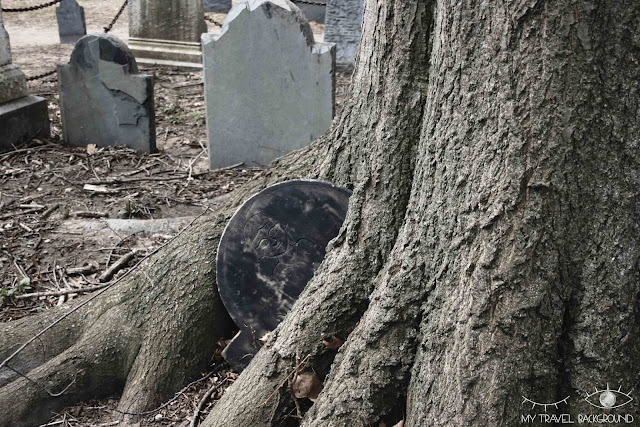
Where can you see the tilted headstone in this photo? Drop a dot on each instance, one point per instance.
(167, 31)
(22, 116)
(269, 89)
(71, 22)
(269, 251)
(221, 6)
(103, 99)
(343, 26)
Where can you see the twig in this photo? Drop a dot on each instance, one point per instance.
(201, 405)
(25, 212)
(48, 212)
(141, 179)
(63, 292)
(96, 295)
(117, 266)
(168, 402)
(228, 167)
(295, 370)
(89, 214)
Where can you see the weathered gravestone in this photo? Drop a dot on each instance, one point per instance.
(167, 31)
(269, 251)
(22, 116)
(269, 88)
(343, 25)
(71, 22)
(221, 6)
(103, 99)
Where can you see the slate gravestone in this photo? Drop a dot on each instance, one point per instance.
(269, 89)
(220, 6)
(167, 32)
(71, 23)
(22, 116)
(103, 99)
(269, 251)
(343, 26)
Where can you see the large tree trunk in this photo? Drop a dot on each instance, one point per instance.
(490, 250)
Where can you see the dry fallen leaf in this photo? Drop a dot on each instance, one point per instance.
(92, 148)
(265, 338)
(334, 343)
(307, 384)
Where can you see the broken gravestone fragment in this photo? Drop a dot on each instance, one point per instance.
(103, 99)
(269, 88)
(71, 22)
(269, 251)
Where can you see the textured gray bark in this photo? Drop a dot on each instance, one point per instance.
(491, 246)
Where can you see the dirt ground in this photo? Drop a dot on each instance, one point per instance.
(73, 219)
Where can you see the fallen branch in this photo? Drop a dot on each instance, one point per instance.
(201, 405)
(63, 292)
(117, 266)
(89, 214)
(48, 212)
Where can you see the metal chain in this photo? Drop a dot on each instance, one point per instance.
(214, 22)
(115, 18)
(31, 8)
(315, 3)
(106, 30)
(41, 76)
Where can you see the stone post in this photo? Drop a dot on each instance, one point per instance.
(21, 116)
(167, 31)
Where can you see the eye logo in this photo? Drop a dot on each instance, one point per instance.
(544, 405)
(609, 399)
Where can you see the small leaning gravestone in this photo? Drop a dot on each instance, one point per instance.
(71, 22)
(269, 88)
(103, 99)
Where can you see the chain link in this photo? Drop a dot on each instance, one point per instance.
(41, 76)
(31, 8)
(115, 18)
(106, 30)
(311, 2)
(213, 21)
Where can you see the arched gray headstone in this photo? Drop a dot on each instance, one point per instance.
(71, 22)
(269, 88)
(103, 99)
(269, 251)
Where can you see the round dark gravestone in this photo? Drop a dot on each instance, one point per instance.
(269, 251)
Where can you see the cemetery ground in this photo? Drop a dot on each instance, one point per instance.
(73, 219)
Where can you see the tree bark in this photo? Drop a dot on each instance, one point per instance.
(490, 250)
